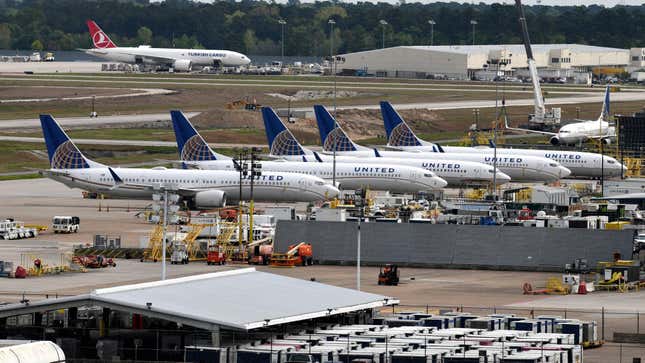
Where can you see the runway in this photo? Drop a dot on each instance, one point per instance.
(89, 121)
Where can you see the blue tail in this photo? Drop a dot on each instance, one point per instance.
(398, 132)
(605, 113)
(63, 154)
(332, 135)
(281, 140)
(192, 146)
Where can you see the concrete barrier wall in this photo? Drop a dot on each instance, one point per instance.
(455, 246)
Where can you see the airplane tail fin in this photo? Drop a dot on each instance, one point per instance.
(331, 134)
(281, 140)
(605, 112)
(192, 146)
(99, 38)
(398, 132)
(63, 154)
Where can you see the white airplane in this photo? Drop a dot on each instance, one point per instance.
(194, 151)
(581, 164)
(520, 169)
(283, 144)
(578, 132)
(181, 60)
(198, 188)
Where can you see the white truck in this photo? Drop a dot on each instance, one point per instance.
(66, 224)
(10, 229)
(179, 255)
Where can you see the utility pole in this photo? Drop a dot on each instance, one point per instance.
(383, 25)
(432, 24)
(282, 24)
(473, 23)
(333, 67)
(254, 173)
(163, 240)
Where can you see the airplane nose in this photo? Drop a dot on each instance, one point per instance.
(564, 172)
(331, 191)
(502, 178)
(439, 182)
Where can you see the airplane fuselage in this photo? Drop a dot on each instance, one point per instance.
(381, 176)
(168, 56)
(142, 183)
(520, 169)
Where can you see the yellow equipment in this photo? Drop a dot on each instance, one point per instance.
(153, 251)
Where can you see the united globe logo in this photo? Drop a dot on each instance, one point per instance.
(285, 144)
(67, 156)
(402, 136)
(338, 140)
(195, 149)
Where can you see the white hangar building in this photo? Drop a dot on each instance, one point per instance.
(468, 61)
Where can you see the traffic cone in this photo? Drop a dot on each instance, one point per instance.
(582, 288)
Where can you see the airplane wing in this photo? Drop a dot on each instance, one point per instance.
(527, 130)
(152, 58)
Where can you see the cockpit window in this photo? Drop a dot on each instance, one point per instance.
(553, 165)
(320, 183)
(428, 175)
(491, 171)
(609, 161)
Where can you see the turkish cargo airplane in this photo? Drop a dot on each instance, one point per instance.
(581, 164)
(284, 145)
(181, 60)
(519, 168)
(396, 178)
(201, 189)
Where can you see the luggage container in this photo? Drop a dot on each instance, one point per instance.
(197, 354)
(535, 326)
(572, 327)
(440, 321)
(485, 323)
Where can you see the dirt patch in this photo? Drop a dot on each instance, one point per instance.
(307, 95)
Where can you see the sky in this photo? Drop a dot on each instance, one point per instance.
(607, 3)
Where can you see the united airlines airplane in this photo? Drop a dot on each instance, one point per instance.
(520, 169)
(199, 188)
(581, 164)
(181, 60)
(284, 145)
(395, 178)
(578, 132)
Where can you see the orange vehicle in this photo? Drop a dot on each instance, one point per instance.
(261, 255)
(303, 252)
(524, 214)
(300, 254)
(215, 256)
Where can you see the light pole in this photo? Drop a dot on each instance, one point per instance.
(383, 25)
(331, 23)
(432, 24)
(282, 23)
(473, 23)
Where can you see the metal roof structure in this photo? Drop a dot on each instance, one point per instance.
(241, 299)
(517, 48)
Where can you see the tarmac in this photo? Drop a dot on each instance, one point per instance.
(481, 292)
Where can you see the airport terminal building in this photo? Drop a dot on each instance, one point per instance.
(470, 61)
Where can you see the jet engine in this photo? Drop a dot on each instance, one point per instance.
(209, 199)
(606, 141)
(182, 65)
(555, 141)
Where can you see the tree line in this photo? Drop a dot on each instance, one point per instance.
(253, 27)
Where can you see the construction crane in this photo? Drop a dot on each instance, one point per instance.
(541, 119)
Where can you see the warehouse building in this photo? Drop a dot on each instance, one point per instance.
(472, 61)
